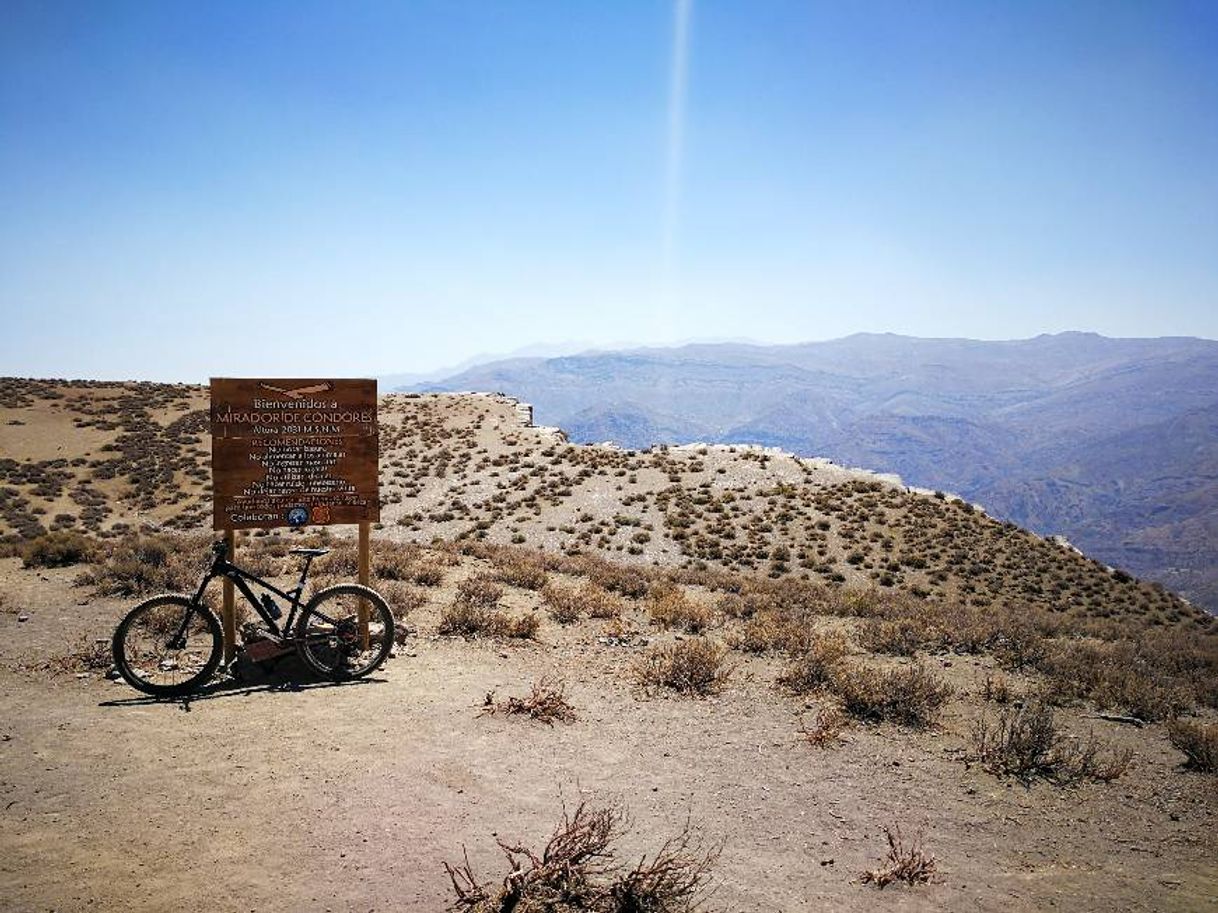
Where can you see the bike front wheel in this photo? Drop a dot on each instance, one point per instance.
(167, 647)
(346, 631)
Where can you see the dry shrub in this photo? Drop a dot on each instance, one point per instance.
(1139, 678)
(902, 637)
(909, 864)
(143, 564)
(394, 562)
(909, 695)
(1018, 645)
(826, 727)
(466, 620)
(577, 870)
(566, 604)
(428, 573)
(733, 605)
(524, 571)
(693, 666)
(625, 581)
(900, 625)
(766, 631)
(811, 669)
(1026, 743)
(1198, 741)
(342, 560)
(58, 549)
(563, 603)
(87, 656)
(599, 602)
(759, 634)
(618, 630)
(480, 591)
(997, 689)
(546, 702)
(402, 597)
(523, 627)
(670, 607)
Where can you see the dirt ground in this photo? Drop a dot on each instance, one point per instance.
(266, 797)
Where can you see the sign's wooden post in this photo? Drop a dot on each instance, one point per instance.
(228, 615)
(365, 566)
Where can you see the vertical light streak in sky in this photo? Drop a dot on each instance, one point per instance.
(674, 161)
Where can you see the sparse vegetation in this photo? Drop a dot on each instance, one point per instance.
(145, 564)
(826, 727)
(1198, 741)
(670, 607)
(813, 668)
(58, 549)
(909, 695)
(545, 702)
(907, 863)
(693, 666)
(579, 870)
(1026, 743)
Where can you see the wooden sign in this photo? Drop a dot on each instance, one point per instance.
(293, 452)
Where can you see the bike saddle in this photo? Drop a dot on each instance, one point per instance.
(311, 552)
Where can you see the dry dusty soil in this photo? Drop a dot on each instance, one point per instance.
(268, 797)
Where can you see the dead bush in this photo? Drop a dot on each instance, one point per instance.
(693, 666)
(545, 702)
(465, 620)
(480, 591)
(342, 560)
(621, 580)
(58, 549)
(141, 564)
(520, 570)
(759, 634)
(902, 637)
(909, 864)
(1198, 741)
(394, 562)
(732, 605)
(670, 607)
(599, 602)
(563, 603)
(428, 573)
(997, 689)
(826, 727)
(811, 669)
(578, 870)
(1018, 645)
(402, 597)
(1026, 743)
(909, 695)
(522, 627)
(87, 656)
(1121, 675)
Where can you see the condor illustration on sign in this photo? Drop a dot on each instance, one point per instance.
(293, 452)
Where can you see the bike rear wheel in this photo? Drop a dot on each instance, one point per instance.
(332, 639)
(150, 655)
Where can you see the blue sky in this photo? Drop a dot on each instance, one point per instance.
(364, 188)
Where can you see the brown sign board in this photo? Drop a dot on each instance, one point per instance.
(291, 452)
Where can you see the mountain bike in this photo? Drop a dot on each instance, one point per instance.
(171, 644)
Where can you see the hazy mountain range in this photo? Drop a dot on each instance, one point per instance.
(1110, 442)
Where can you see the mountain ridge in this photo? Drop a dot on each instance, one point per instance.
(1007, 424)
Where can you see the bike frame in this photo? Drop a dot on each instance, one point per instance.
(241, 579)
